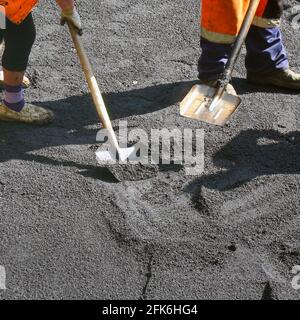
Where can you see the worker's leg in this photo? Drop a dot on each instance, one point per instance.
(18, 43)
(267, 61)
(220, 23)
(12, 78)
(25, 83)
(213, 59)
(265, 49)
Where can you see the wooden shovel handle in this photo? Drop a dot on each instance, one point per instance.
(91, 79)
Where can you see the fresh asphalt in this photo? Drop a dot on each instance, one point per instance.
(69, 230)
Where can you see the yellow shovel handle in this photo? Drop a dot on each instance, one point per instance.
(92, 84)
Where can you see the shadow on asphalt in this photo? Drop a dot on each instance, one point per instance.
(243, 87)
(74, 115)
(251, 154)
(244, 156)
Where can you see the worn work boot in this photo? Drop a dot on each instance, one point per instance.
(286, 79)
(26, 81)
(30, 114)
(213, 83)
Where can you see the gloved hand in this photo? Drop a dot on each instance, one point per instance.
(73, 17)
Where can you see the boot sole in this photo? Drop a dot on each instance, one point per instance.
(35, 122)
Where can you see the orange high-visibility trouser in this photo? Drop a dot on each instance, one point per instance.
(17, 10)
(221, 19)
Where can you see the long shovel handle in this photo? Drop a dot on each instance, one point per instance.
(92, 84)
(253, 6)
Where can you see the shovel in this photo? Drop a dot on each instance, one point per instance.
(215, 105)
(113, 153)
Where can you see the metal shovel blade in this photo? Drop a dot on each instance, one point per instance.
(198, 105)
(108, 155)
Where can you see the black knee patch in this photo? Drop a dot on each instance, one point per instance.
(18, 43)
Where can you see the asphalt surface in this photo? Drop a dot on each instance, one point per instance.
(69, 230)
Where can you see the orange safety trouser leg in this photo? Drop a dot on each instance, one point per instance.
(221, 20)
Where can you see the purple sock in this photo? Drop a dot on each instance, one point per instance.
(14, 97)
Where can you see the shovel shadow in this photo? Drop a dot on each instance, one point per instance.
(251, 154)
(76, 123)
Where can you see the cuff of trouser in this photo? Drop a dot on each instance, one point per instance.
(209, 77)
(14, 63)
(11, 68)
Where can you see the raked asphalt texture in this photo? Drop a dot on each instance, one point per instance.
(68, 230)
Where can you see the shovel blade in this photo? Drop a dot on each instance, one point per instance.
(197, 105)
(107, 155)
